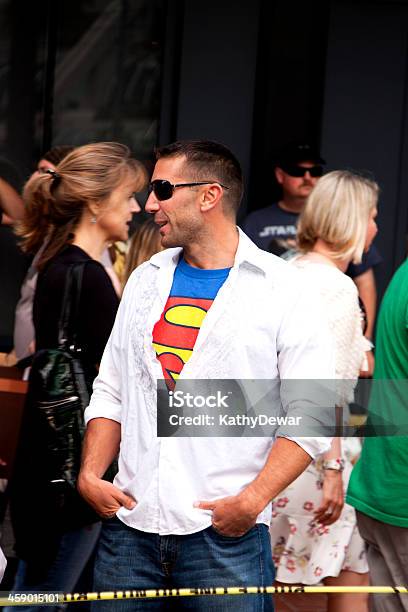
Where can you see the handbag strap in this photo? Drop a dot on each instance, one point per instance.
(67, 328)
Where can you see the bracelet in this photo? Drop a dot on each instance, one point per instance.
(334, 464)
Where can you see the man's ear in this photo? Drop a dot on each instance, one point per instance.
(210, 197)
(279, 175)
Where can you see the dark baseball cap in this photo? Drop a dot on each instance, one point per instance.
(293, 153)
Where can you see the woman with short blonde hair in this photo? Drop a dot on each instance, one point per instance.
(337, 212)
(313, 532)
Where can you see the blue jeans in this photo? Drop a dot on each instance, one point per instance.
(132, 559)
(75, 549)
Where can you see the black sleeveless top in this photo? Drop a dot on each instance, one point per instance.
(97, 307)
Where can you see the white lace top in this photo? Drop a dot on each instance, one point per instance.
(340, 297)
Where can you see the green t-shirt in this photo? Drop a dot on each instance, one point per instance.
(378, 483)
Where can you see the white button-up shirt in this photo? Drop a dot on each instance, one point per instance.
(263, 324)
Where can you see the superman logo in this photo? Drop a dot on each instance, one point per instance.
(175, 334)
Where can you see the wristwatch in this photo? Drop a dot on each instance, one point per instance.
(334, 464)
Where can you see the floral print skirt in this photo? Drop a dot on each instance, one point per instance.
(305, 552)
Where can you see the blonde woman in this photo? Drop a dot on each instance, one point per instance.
(76, 209)
(144, 243)
(314, 534)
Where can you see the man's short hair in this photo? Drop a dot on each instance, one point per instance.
(209, 160)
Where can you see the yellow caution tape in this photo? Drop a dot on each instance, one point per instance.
(26, 598)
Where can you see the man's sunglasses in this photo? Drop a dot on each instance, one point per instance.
(300, 171)
(163, 190)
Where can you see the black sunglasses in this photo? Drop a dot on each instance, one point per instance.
(298, 171)
(163, 190)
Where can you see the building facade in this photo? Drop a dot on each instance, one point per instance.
(252, 74)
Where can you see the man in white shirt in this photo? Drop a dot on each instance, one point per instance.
(185, 511)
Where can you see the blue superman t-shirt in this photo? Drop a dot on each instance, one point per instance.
(175, 333)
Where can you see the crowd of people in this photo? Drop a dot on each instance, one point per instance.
(190, 296)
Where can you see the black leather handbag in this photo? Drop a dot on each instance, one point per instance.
(58, 392)
(43, 495)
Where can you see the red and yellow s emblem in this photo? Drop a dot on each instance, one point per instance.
(175, 334)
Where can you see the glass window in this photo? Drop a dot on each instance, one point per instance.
(107, 75)
(72, 73)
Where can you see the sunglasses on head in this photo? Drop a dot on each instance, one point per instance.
(163, 190)
(299, 171)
